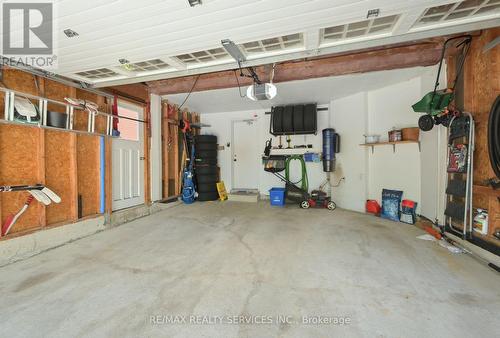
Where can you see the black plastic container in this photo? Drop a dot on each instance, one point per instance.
(57, 120)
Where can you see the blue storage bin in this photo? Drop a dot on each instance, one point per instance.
(312, 157)
(277, 196)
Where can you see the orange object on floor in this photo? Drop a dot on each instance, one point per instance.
(433, 232)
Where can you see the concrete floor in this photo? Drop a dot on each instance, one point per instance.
(231, 259)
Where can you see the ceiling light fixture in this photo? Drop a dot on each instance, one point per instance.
(234, 50)
(193, 3)
(373, 13)
(70, 33)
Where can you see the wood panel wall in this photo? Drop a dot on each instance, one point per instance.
(88, 154)
(481, 83)
(173, 147)
(22, 150)
(67, 163)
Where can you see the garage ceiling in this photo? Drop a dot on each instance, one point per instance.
(169, 38)
(319, 90)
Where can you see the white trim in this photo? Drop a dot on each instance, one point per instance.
(118, 144)
(156, 147)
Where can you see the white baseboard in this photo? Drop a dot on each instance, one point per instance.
(130, 214)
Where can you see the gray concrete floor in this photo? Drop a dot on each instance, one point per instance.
(231, 259)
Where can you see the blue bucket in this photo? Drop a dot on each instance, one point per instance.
(277, 196)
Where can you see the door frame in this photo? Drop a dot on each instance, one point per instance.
(142, 130)
(233, 148)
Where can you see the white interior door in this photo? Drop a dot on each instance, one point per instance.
(128, 159)
(245, 160)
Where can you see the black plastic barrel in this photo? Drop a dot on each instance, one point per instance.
(329, 149)
(56, 119)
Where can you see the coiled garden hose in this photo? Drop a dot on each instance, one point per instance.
(494, 137)
(304, 180)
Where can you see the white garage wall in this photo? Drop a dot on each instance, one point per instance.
(433, 161)
(390, 107)
(418, 173)
(349, 117)
(433, 173)
(156, 148)
(221, 127)
(370, 111)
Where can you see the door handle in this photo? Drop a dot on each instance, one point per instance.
(142, 158)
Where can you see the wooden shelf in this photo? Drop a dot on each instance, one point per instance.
(372, 145)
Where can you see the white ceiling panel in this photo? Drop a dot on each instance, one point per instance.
(267, 20)
(141, 31)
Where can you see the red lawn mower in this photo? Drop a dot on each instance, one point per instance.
(318, 199)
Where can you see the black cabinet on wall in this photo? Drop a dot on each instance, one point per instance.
(298, 119)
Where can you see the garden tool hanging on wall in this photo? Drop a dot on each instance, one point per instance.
(39, 192)
(12, 219)
(188, 193)
(436, 104)
(90, 107)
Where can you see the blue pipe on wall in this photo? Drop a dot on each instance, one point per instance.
(103, 181)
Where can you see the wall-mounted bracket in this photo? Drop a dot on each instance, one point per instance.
(71, 110)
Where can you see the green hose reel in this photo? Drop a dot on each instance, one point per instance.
(304, 180)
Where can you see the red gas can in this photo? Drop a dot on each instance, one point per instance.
(372, 207)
